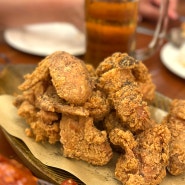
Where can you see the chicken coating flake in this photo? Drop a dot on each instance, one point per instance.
(145, 158)
(81, 140)
(175, 121)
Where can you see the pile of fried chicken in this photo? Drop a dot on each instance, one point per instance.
(95, 112)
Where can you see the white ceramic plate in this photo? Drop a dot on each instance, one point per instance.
(44, 39)
(170, 58)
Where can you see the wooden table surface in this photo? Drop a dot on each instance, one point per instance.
(166, 82)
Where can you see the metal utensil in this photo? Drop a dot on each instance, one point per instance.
(176, 37)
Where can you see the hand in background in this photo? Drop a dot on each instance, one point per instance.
(149, 9)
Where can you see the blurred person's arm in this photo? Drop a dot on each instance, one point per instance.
(149, 9)
(20, 12)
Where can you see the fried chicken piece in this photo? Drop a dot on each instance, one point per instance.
(50, 101)
(40, 101)
(130, 107)
(14, 173)
(97, 106)
(31, 94)
(127, 163)
(120, 67)
(111, 122)
(120, 76)
(43, 126)
(68, 74)
(44, 132)
(82, 140)
(27, 111)
(70, 77)
(145, 158)
(175, 121)
(153, 152)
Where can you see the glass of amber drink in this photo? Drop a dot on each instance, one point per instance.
(111, 27)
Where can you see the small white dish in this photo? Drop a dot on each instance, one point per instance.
(44, 39)
(170, 58)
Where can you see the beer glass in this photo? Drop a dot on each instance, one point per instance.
(111, 27)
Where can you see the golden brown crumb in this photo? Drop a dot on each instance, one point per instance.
(145, 158)
(81, 140)
(175, 121)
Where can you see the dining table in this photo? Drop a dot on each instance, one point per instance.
(167, 83)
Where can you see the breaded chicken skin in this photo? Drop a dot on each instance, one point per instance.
(175, 121)
(145, 158)
(82, 140)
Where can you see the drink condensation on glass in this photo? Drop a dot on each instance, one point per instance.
(110, 27)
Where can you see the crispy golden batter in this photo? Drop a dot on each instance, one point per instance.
(175, 121)
(39, 94)
(39, 74)
(145, 158)
(44, 126)
(50, 101)
(153, 152)
(81, 140)
(130, 107)
(112, 121)
(127, 163)
(29, 108)
(97, 105)
(144, 80)
(121, 78)
(113, 80)
(70, 77)
(119, 68)
(44, 132)
(31, 95)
